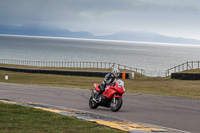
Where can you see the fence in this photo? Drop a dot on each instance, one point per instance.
(101, 65)
(185, 66)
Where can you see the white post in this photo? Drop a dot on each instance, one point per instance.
(132, 75)
(6, 77)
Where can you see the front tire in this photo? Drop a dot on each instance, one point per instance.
(117, 105)
(92, 103)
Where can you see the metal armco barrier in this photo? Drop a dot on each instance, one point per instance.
(101, 65)
(65, 72)
(185, 66)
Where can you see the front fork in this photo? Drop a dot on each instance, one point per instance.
(114, 99)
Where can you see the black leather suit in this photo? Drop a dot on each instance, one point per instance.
(108, 80)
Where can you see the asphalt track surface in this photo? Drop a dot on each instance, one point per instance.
(172, 112)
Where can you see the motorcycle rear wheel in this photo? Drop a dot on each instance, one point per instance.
(117, 105)
(93, 104)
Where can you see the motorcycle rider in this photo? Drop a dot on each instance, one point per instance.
(108, 80)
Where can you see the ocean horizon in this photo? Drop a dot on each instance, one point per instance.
(104, 40)
(154, 58)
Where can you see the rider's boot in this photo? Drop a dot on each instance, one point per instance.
(97, 96)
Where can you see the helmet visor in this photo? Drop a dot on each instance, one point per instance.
(116, 74)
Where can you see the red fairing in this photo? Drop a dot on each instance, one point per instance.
(111, 97)
(109, 92)
(118, 88)
(117, 96)
(96, 86)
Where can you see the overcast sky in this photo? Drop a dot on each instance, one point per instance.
(179, 18)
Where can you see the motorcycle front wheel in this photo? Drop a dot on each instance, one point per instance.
(92, 103)
(116, 105)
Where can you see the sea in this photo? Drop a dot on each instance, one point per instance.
(154, 58)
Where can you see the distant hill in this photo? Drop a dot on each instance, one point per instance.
(148, 37)
(36, 30)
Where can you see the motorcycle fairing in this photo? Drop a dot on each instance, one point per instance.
(109, 93)
(119, 88)
(116, 96)
(96, 86)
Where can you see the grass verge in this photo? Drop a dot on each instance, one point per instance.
(141, 84)
(146, 85)
(191, 71)
(19, 119)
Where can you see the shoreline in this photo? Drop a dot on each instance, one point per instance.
(103, 40)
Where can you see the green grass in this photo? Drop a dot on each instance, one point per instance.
(141, 84)
(145, 85)
(192, 71)
(165, 86)
(19, 119)
(15, 118)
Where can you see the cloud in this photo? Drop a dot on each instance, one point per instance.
(103, 16)
(54, 8)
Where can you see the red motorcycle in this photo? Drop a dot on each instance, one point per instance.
(111, 97)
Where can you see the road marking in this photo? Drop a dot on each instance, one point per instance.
(50, 110)
(112, 124)
(130, 126)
